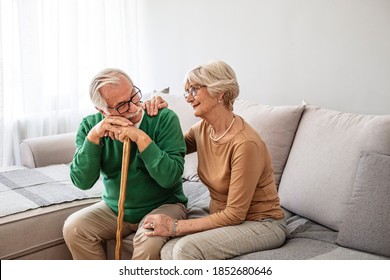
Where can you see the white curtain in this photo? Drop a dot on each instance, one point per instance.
(49, 52)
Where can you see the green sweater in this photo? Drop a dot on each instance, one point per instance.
(155, 175)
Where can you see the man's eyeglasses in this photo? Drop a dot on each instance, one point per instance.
(193, 91)
(124, 107)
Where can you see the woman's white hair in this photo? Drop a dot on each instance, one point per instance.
(108, 76)
(219, 77)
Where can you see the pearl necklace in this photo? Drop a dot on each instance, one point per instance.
(226, 131)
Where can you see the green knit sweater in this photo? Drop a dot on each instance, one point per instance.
(155, 175)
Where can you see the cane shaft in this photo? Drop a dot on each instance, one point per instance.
(122, 196)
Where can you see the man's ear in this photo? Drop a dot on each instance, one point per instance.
(101, 111)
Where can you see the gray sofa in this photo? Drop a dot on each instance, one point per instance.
(332, 171)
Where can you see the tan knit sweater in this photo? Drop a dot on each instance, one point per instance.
(238, 172)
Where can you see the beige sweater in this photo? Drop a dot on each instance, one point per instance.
(238, 172)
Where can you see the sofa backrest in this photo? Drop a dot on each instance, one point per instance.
(320, 172)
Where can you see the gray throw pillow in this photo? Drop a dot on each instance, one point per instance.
(366, 225)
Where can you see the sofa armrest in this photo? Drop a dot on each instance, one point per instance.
(47, 150)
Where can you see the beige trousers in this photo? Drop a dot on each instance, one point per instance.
(227, 242)
(86, 230)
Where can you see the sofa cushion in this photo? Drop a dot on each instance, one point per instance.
(366, 225)
(310, 249)
(276, 125)
(320, 172)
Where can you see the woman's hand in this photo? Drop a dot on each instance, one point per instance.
(159, 224)
(163, 225)
(154, 104)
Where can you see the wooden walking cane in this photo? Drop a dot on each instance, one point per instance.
(122, 196)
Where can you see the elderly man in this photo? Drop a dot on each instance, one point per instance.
(154, 174)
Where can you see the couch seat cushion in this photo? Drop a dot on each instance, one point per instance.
(310, 249)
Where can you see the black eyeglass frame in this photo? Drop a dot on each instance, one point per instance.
(193, 91)
(124, 107)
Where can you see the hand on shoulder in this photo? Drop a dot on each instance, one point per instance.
(154, 104)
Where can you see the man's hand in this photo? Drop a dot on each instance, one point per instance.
(136, 135)
(154, 104)
(109, 126)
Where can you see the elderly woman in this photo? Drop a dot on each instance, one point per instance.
(235, 165)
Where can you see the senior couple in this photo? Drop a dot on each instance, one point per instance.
(234, 163)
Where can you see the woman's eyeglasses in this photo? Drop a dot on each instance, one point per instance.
(193, 91)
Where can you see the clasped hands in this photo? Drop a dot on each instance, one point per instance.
(115, 127)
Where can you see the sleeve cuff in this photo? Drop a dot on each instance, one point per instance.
(150, 153)
(92, 149)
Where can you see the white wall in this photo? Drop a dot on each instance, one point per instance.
(332, 53)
